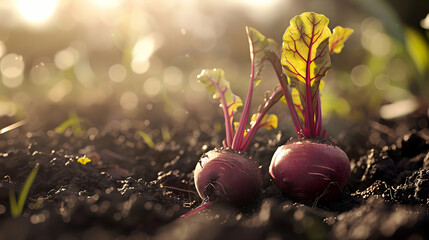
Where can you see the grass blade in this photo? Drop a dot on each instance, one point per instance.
(17, 207)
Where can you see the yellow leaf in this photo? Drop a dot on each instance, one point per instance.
(322, 84)
(84, 160)
(305, 55)
(339, 36)
(418, 49)
(269, 122)
(219, 87)
(296, 97)
(236, 124)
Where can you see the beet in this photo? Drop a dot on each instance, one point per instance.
(227, 175)
(308, 170)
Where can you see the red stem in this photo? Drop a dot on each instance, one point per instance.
(238, 138)
(275, 97)
(318, 115)
(275, 62)
(203, 206)
(228, 126)
(309, 123)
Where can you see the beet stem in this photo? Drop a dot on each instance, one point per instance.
(203, 206)
(181, 189)
(238, 138)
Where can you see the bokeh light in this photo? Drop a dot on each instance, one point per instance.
(66, 58)
(60, 90)
(361, 75)
(2, 49)
(94, 51)
(173, 78)
(382, 82)
(7, 108)
(40, 74)
(12, 69)
(129, 100)
(12, 65)
(424, 23)
(152, 87)
(117, 73)
(140, 65)
(374, 39)
(36, 11)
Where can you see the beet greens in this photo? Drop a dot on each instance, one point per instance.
(227, 174)
(307, 45)
(219, 87)
(309, 169)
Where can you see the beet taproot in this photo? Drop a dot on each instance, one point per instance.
(308, 170)
(227, 175)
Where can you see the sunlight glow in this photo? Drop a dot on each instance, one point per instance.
(398, 109)
(106, 4)
(144, 47)
(12, 65)
(129, 101)
(152, 87)
(60, 90)
(424, 23)
(66, 58)
(2, 48)
(258, 2)
(36, 11)
(117, 73)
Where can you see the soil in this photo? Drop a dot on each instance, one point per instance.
(133, 191)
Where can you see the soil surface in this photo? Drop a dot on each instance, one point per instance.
(131, 190)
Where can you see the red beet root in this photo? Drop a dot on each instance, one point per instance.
(308, 170)
(227, 175)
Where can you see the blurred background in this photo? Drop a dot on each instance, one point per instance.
(137, 54)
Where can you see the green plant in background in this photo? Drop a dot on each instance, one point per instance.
(165, 133)
(74, 121)
(17, 207)
(400, 72)
(146, 138)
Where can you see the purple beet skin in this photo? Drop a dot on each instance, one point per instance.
(228, 176)
(308, 170)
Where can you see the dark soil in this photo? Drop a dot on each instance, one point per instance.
(132, 191)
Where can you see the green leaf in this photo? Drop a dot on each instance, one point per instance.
(305, 55)
(146, 138)
(259, 46)
(74, 121)
(339, 36)
(418, 50)
(219, 88)
(17, 207)
(165, 133)
(306, 59)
